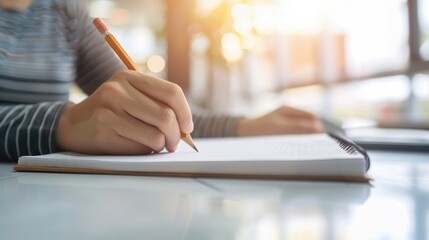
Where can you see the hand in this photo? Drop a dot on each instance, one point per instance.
(284, 120)
(132, 113)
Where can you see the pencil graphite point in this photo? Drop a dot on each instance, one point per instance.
(188, 139)
(196, 149)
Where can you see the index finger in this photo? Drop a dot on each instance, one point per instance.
(165, 92)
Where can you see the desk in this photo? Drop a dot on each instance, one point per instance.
(73, 206)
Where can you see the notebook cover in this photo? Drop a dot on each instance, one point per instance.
(29, 168)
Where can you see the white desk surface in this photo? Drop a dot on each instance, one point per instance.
(74, 206)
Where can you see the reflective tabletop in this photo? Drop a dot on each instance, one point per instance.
(77, 206)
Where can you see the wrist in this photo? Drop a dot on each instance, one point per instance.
(63, 129)
(243, 127)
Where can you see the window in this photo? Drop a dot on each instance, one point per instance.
(308, 41)
(255, 46)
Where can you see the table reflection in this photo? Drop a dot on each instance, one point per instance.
(393, 206)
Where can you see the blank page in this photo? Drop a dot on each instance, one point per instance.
(293, 155)
(274, 148)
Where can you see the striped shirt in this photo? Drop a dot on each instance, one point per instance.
(43, 50)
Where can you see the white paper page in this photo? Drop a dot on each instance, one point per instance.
(271, 148)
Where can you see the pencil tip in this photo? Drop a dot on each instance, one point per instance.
(188, 139)
(196, 149)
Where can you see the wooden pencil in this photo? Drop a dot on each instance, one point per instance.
(131, 65)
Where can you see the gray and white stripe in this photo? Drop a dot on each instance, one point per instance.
(22, 131)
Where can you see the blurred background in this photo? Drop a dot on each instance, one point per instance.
(360, 62)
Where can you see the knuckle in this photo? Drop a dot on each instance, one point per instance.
(109, 90)
(111, 93)
(120, 74)
(174, 90)
(167, 116)
(101, 115)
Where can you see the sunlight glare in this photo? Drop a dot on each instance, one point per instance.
(240, 11)
(231, 47)
(243, 26)
(264, 18)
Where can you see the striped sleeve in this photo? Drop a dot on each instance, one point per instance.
(207, 124)
(28, 129)
(96, 62)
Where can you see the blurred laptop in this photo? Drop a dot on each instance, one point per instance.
(376, 137)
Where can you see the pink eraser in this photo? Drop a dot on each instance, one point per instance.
(99, 24)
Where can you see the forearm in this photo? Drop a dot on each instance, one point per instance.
(207, 124)
(29, 129)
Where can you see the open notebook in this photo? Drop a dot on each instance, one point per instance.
(313, 157)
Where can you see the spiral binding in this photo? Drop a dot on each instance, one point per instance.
(350, 147)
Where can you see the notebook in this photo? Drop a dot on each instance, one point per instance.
(301, 157)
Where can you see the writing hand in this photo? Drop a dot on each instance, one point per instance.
(132, 113)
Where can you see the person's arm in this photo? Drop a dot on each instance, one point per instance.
(209, 124)
(283, 120)
(28, 129)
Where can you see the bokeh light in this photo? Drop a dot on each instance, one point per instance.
(243, 26)
(156, 64)
(241, 10)
(231, 47)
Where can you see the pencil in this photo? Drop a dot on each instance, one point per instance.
(131, 65)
